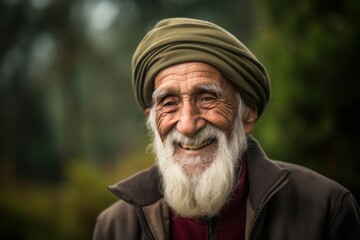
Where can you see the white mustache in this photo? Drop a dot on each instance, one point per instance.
(204, 137)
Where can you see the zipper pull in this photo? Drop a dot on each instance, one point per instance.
(212, 227)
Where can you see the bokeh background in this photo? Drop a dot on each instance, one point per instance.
(69, 124)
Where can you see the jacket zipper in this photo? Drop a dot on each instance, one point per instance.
(212, 228)
(257, 216)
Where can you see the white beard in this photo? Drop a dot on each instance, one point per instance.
(206, 193)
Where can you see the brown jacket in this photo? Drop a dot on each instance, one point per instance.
(285, 202)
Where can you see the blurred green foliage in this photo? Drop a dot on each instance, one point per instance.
(69, 125)
(66, 210)
(310, 48)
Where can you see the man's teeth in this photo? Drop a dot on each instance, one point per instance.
(196, 146)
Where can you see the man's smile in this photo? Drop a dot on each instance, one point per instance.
(207, 147)
(196, 146)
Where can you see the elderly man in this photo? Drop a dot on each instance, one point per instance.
(203, 92)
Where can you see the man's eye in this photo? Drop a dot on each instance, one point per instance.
(169, 104)
(207, 99)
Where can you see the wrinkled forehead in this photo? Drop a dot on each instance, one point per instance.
(191, 77)
(187, 72)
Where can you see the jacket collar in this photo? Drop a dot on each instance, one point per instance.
(141, 189)
(264, 176)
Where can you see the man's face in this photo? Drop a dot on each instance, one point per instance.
(199, 138)
(188, 97)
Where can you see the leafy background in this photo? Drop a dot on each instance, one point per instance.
(69, 125)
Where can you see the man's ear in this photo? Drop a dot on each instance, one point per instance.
(147, 111)
(250, 117)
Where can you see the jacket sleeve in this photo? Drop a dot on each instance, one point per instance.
(345, 223)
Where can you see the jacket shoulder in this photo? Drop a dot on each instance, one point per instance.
(314, 198)
(315, 191)
(311, 179)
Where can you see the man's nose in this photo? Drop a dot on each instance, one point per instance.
(190, 121)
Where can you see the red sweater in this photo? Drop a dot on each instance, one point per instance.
(229, 225)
